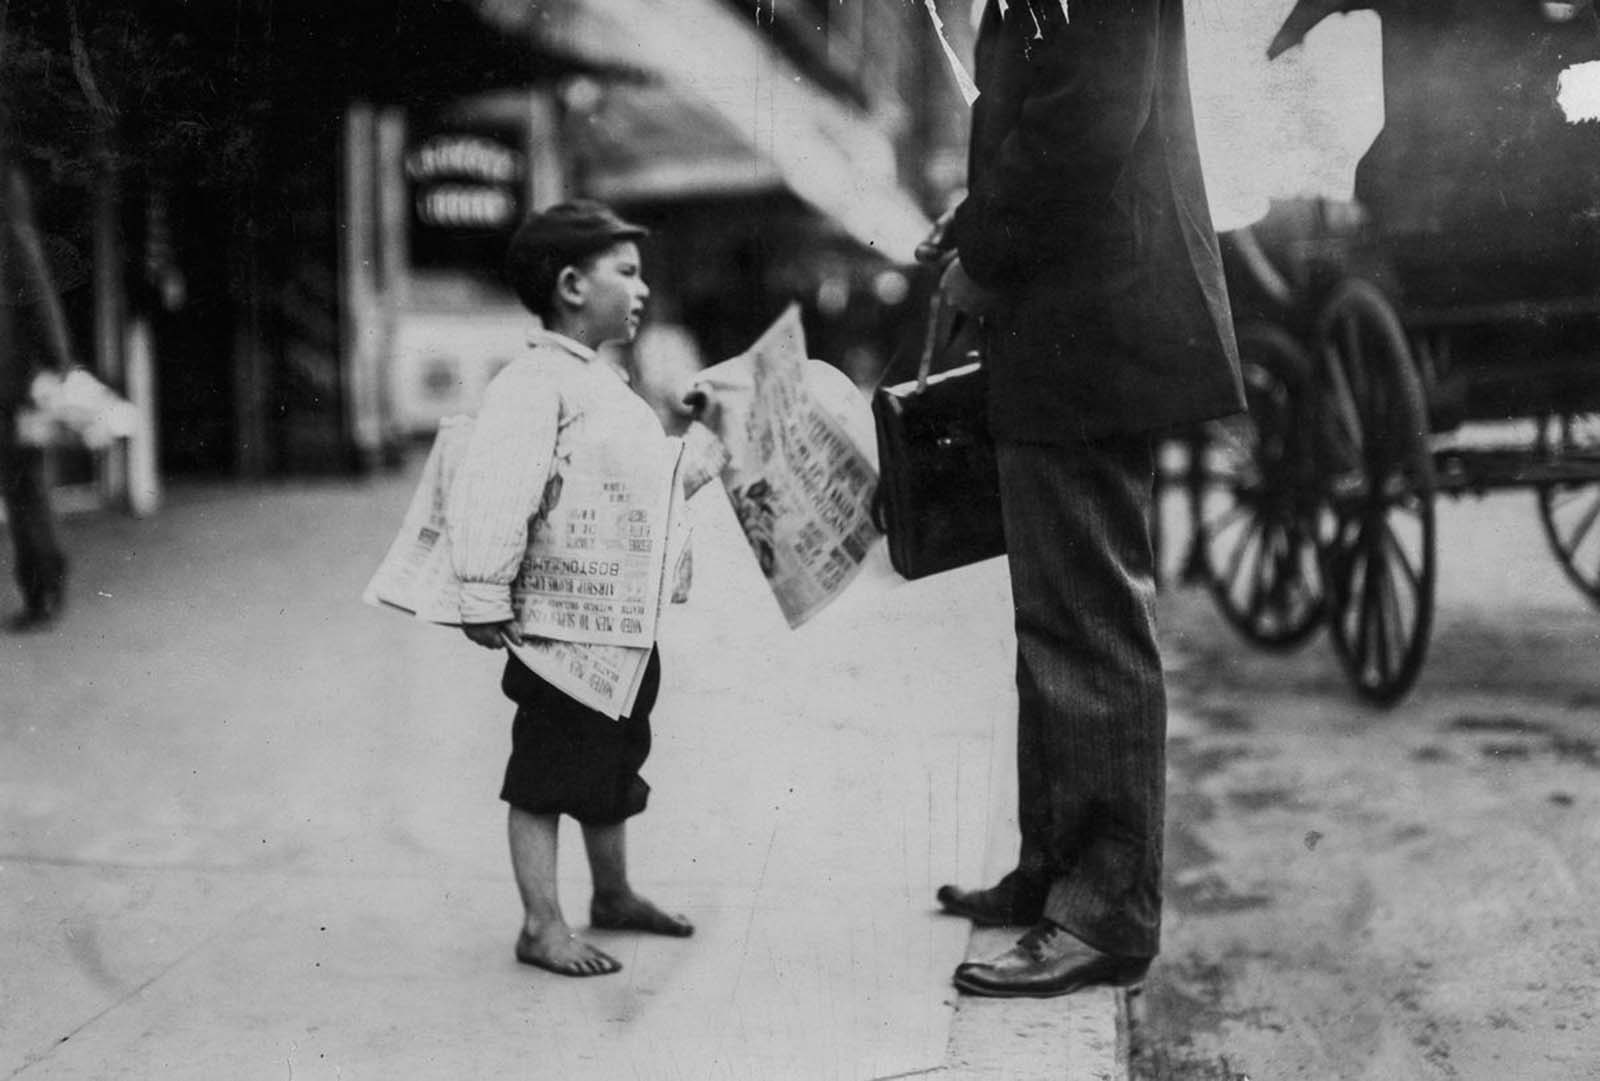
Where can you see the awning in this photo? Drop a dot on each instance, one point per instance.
(646, 141)
(826, 150)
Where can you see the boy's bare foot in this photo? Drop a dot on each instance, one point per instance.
(556, 949)
(630, 912)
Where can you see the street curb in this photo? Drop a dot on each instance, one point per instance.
(1078, 1037)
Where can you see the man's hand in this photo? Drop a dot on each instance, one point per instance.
(936, 245)
(963, 294)
(493, 635)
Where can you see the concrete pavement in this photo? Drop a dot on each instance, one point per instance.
(250, 827)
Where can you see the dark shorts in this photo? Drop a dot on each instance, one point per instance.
(568, 759)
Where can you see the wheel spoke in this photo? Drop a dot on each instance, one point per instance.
(1570, 510)
(1396, 618)
(1359, 570)
(1372, 605)
(1581, 533)
(1260, 581)
(1231, 576)
(1402, 559)
(1230, 462)
(1280, 577)
(1215, 526)
(1287, 570)
(1568, 495)
(1342, 401)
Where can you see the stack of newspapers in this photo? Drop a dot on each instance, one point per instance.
(601, 564)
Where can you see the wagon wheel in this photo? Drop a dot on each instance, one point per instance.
(1254, 528)
(1570, 509)
(1377, 530)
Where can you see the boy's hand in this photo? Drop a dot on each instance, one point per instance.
(493, 635)
(702, 405)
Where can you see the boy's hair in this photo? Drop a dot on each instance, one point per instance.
(565, 235)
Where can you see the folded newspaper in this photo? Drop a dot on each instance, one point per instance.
(78, 406)
(588, 634)
(801, 470)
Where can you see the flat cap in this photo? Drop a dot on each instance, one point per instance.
(575, 228)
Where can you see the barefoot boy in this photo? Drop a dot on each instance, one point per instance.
(577, 267)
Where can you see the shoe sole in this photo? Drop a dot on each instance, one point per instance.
(986, 990)
(988, 921)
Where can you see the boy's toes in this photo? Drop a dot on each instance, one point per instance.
(599, 963)
(565, 955)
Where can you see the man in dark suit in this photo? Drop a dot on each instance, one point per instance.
(1086, 246)
(33, 333)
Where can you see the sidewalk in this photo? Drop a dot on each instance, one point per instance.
(250, 826)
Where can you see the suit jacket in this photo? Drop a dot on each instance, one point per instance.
(1086, 211)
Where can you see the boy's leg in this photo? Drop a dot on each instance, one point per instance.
(615, 907)
(546, 941)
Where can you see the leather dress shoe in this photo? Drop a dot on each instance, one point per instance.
(1011, 902)
(1048, 961)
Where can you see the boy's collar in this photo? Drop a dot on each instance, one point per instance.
(539, 335)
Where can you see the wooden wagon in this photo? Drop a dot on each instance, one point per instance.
(1439, 335)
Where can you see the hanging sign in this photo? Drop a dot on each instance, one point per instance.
(465, 181)
(467, 191)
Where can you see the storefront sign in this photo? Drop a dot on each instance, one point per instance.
(465, 182)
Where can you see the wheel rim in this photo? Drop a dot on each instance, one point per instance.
(1570, 510)
(1256, 536)
(1378, 521)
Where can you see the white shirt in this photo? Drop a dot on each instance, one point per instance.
(540, 414)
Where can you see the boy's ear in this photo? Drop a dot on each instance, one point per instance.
(571, 286)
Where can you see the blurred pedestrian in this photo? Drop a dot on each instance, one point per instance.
(578, 268)
(1085, 244)
(33, 338)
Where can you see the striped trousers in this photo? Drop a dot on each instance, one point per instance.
(1091, 724)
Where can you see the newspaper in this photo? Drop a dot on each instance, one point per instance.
(604, 678)
(597, 549)
(607, 678)
(636, 519)
(800, 482)
(75, 405)
(416, 575)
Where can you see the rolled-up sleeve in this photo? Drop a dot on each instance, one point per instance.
(498, 488)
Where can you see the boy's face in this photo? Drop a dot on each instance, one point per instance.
(614, 293)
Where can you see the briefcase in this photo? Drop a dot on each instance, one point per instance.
(938, 500)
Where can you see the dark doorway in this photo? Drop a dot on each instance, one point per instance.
(194, 344)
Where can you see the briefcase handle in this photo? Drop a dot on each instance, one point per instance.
(944, 323)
